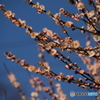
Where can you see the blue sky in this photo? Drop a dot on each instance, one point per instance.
(14, 39)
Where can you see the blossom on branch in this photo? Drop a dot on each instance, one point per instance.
(91, 53)
(9, 14)
(76, 44)
(68, 24)
(80, 6)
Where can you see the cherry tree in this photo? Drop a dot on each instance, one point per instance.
(56, 46)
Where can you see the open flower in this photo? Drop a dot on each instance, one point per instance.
(53, 51)
(91, 28)
(56, 16)
(31, 68)
(91, 53)
(48, 32)
(22, 23)
(34, 34)
(82, 71)
(9, 14)
(98, 8)
(90, 14)
(75, 44)
(48, 46)
(41, 9)
(96, 38)
(68, 24)
(47, 68)
(97, 79)
(80, 6)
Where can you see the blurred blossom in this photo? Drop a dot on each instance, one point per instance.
(97, 79)
(80, 5)
(98, 8)
(11, 77)
(96, 38)
(34, 94)
(68, 24)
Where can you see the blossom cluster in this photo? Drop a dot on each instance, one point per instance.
(16, 84)
(64, 44)
(60, 76)
(39, 86)
(44, 41)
